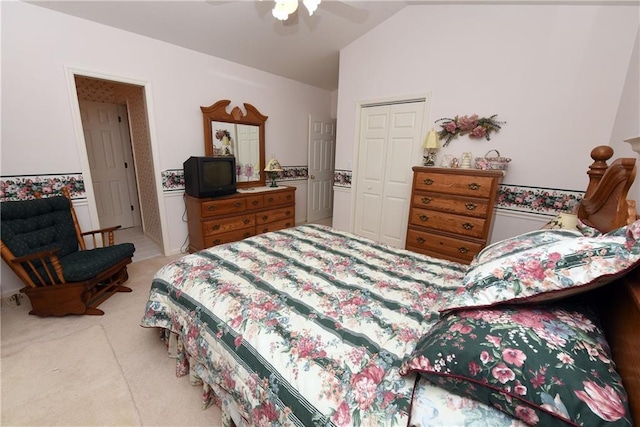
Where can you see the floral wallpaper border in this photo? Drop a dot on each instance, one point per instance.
(342, 178)
(172, 179)
(22, 187)
(520, 198)
(537, 200)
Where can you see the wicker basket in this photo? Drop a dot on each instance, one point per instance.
(492, 162)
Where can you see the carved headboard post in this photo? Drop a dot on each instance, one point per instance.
(605, 205)
(600, 155)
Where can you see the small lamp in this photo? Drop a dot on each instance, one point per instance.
(272, 169)
(430, 144)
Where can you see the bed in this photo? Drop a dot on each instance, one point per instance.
(313, 326)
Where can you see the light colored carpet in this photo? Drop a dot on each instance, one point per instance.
(136, 354)
(66, 382)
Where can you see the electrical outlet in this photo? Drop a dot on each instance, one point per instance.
(14, 300)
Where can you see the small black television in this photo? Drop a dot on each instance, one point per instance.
(210, 176)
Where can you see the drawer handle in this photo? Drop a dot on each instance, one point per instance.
(428, 181)
(426, 200)
(420, 240)
(265, 230)
(216, 227)
(463, 250)
(423, 217)
(467, 225)
(211, 207)
(265, 217)
(246, 221)
(237, 204)
(474, 186)
(288, 196)
(287, 213)
(247, 234)
(216, 242)
(288, 224)
(471, 206)
(254, 203)
(270, 199)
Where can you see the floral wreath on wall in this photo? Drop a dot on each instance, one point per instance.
(474, 126)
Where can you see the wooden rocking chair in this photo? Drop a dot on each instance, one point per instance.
(42, 243)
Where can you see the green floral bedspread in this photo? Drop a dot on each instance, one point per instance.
(304, 326)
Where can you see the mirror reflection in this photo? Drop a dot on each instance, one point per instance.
(242, 141)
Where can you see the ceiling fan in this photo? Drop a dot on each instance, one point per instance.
(284, 8)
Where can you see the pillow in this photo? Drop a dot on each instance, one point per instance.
(563, 220)
(587, 230)
(563, 267)
(522, 242)
(546, 365)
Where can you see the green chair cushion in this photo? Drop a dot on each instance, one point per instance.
(83, 265)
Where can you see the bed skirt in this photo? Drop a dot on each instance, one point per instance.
(199, 375)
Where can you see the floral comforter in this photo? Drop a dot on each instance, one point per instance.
(304, 326)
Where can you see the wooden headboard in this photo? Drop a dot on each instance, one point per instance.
(605, 206)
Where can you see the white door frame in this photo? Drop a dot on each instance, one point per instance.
(71, 72)
(417, 156)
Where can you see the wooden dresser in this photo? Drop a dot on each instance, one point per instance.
(451, 211)
(227, 219)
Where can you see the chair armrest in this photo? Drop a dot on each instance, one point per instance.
(50, 264)
(104, 232)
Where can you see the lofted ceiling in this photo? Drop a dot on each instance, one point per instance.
(303, 48)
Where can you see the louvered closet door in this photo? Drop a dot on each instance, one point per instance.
(389, 141)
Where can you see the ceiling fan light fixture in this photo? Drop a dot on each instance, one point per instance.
(311, 5)
(284, 8)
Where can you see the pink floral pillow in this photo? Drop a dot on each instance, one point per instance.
(545, 272)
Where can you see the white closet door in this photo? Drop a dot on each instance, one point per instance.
(390, 137)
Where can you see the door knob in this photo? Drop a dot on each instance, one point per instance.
(312, 177)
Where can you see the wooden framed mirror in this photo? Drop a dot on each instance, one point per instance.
(237, 134)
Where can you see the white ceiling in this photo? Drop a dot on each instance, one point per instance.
(304, 48)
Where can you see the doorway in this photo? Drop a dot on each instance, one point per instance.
(136, 171)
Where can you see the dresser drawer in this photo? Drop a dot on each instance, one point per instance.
(458, 224)
(275, 215)
(222, 206)
(474, 186)
(439, 245)
(232, 236)
(225, 225)
(274, 226)
(276, 199)
(451, 204)
(255, 202)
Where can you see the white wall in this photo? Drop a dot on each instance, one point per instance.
(555, 74)
(38, 135)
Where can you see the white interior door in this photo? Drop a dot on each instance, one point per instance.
(389, 145)
(322, 142)
(107, 163)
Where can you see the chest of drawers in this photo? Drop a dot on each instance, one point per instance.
(451, 211)
(227, 219)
